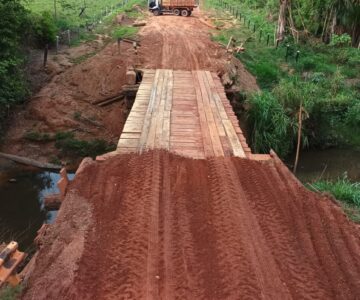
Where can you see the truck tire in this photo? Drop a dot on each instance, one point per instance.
(189, 13)
(156, 12)
(185, 13)
(176, 12)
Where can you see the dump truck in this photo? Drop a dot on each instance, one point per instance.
(176, 7)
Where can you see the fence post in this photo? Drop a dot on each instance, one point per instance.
(118, 44)
(46, 54)
(268, 40)
(69, 37)
(254, 28)
(57, 44)
(297, 56)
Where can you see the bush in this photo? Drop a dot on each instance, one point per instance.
(37, 136)
(44, 29)
(70, 146)
(13, 29)
(270, 125)
(340, 40)
(267, 74)
(353, 115)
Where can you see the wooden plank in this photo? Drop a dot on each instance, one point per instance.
(128, 143)
(130, 135)
(214, 107)
(147, 120)
(150, 143)
(167, 114)
(233, 139)
(160, 113)
(133, 127)
(214, 135)
(207, 143)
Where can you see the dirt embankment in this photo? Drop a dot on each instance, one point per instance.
(159, 226)
(166, 42)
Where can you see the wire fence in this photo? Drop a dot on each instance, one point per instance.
(261, 29)
(74, 33)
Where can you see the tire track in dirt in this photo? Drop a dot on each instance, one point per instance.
(167, 227)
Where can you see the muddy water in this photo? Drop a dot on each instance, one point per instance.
(22, 192)
(327, 164)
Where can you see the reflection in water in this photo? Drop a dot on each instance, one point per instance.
(21, 204)
(329, 164)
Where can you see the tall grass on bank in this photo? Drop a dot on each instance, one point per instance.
(345, 191)
(324, 78)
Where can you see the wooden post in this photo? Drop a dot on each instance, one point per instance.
(287, 52)
(46, 54)
(268, 40)
(299, 139)
(57, 44)
(118, 44)
(69, 37)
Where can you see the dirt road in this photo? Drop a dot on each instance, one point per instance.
(159, 226)
(166, 42)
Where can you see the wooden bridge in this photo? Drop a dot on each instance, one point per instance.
(185, 112)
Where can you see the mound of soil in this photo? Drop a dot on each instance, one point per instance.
(160, 226)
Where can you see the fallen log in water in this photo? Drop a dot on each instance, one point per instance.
(30, 162)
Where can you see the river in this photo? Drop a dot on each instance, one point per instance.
(22, 192)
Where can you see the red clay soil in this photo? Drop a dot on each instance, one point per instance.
(159, 226)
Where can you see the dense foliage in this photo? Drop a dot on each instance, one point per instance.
(322, 77)
(18, 29)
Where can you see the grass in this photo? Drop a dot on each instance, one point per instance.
(70, 11)
(71, 147)
(323, 72)
(124, 32)
(35, 136)
(10, 293)
(82, 58)
(345, 191)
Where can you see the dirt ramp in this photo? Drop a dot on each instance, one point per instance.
(166, 227)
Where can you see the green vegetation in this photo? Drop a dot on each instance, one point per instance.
(347, 192)
(125, 32)
(71, 147)
(33, 23)
(10, 293)
(35, 136)
(321, 78)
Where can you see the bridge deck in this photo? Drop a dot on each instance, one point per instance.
(185, 112)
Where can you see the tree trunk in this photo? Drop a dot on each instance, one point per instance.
(333, 24)
(282, 20)
(55, 12)
(299, 139)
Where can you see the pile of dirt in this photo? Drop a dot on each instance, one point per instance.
(160, 226)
